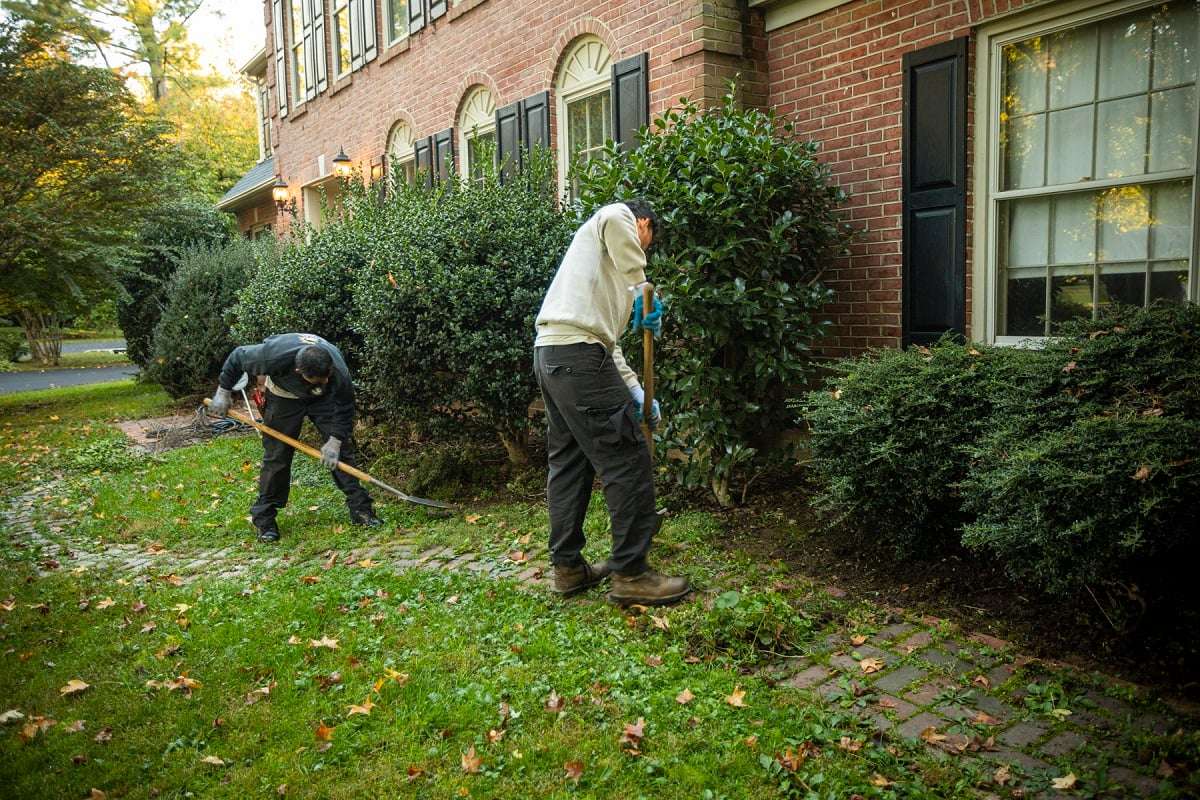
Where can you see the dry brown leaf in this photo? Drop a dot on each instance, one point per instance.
(324, 641)
(685, 697)
(98, 794)
(107, 602)
(858, 640)
(573, 770)
(1065, 782)
(1002, 775)
(104, 735)
(850, 745)
(631, 737)
(738, 698)
(472, 518)
(554, 702)
(8, 605)
(982, 682)
(751, 741)
(294, 639)
(790, 759)
(399, 677)
(452, 600)
(74, 727)
(870, 665)
(662, 623)
(880, 781)
(214, 760)
(12, 715)
(149, 626)
(74, 686)
(367, 563)
(364, 709)
(471, 763)
(311, 579)
(414, 773)
(323, 732)
(1143, 473)
(654, 661)
(518, 556)
(181, 608)
(494, 735)
(931, 735)
(984, 718)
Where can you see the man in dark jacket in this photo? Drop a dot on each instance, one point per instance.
(305, 376)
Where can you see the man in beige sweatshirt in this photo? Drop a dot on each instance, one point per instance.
(593, 407)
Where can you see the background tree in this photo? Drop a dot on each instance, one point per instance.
(82, 164)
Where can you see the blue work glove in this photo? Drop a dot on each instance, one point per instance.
(639, 402)
(652, 321)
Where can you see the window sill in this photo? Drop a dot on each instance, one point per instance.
(343, 82)
(458, 9)
(393, 50)
(296, 112)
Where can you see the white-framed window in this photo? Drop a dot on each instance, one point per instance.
(1090, 148)
(402, 155)
(584, 108)
(341, 37)
(300, 76)
(476, 133)
(395, 20)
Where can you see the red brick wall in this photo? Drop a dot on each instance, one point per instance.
(839, 75)
(514, 48)
(264, 211)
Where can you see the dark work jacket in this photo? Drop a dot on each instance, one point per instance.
(276, 358)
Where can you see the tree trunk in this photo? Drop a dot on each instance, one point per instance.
(720, 487)
(516, 444)
(44, 335)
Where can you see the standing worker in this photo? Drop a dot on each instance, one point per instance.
(305, 376)
(594, 406)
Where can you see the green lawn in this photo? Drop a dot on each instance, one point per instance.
(471, 686)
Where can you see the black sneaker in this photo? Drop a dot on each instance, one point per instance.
(367, 521)
(268, 535)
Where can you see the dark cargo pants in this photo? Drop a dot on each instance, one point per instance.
(592, 431)
(275, 480)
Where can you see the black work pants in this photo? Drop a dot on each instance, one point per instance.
(592, 431)
(286, 415)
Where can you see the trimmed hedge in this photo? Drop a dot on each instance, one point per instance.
(1072, 465)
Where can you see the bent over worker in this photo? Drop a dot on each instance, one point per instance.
(305, 376)
(594, 406)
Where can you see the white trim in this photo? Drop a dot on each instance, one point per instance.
(578, 79)
(991, 38)
(337, 33)
(224, 205)
(477, 118)
(780, 14)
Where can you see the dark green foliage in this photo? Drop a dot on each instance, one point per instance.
(170, 230)
(447, 300)
(13, 346)
(193, 338)
(749, 221)
(1073, 465)
(452, 473)
(303, 284)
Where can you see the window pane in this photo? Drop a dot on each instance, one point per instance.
(1025, 303)
(576, 126)
(1073, 68)
(297, 22)
(397, 19)
(1124, 223)
(1172, 120)
(341, 32)
(1172, 220)
(1169, 283)
(1025, 152)
(597, 129)
(1125, 56)
(1075, 228)
(1122, 147)
(1122, 284)
(1175, 44)
(1028, 232)
(1025, 77)
(1070, 297)
(1070, 158)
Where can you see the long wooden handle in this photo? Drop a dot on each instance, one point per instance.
(296, 443)
(648, 369)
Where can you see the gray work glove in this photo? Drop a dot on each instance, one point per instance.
(639, 398)
(330, 453)
(219, 406)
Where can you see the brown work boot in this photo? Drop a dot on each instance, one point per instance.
(573, 580)
(648, 589)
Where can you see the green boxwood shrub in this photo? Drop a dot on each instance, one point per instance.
(750, 219)
(1073, 465)
(169, 231)
(193, 338)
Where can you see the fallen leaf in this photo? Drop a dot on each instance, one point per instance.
(1143, 472)
(984, 718)
(931, 735)
(573, 770)
(738, 698)
(323, 733)
(870, 665)
(473, 518)
(1002, 775)
(12, 715)
(324, 641)
(98, 795)
(790, 759)
(74, 727)
(8, 605)
(36, 725)
(850, 745)
(452, 600)
(685, 697)
(494, 735)
(74, 686)
(294, 639)
(554, 702)
(471, 763)
(104, 735)
(182, 683)
(1070, 367)
(172, 579)
(79, 759)
(331, 561)
(167, 652)
(281, 789)
(107, 602)
(631, 737)
(1060, 713)
(1065, 782)
(880, 781)
(259, 693)
(982, 682)
(399, 677)
(414, 773)
(654, 661)
(751, 741)
(518, 556)
(858, 640)
(180, 608)
(367, 563)
(311, 579)
(364, 709)
(216, 762)
(149, 626)
(662, 623)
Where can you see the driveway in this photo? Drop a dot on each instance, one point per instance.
(83, 345)
(11, 382)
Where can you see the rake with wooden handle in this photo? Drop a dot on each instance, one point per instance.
(346, 468)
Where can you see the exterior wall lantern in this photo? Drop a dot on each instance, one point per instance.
(279, 191)
(343, 167)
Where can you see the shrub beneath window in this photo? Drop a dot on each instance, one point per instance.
(192, 339)
(1074, 465)
(749, 221)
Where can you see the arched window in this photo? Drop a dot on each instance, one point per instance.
(584, 99)
(476, 133)
(401, 151)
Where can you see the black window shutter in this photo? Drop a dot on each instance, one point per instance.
(356, 34)
(934, 192)
(423, 151)
(631, 99)
(370, 47)
(322, 74)
(508, 140)
(310, 52)
(437, 8)
(416, 15)
(281, 92)
(443, 153)
(535, 122)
